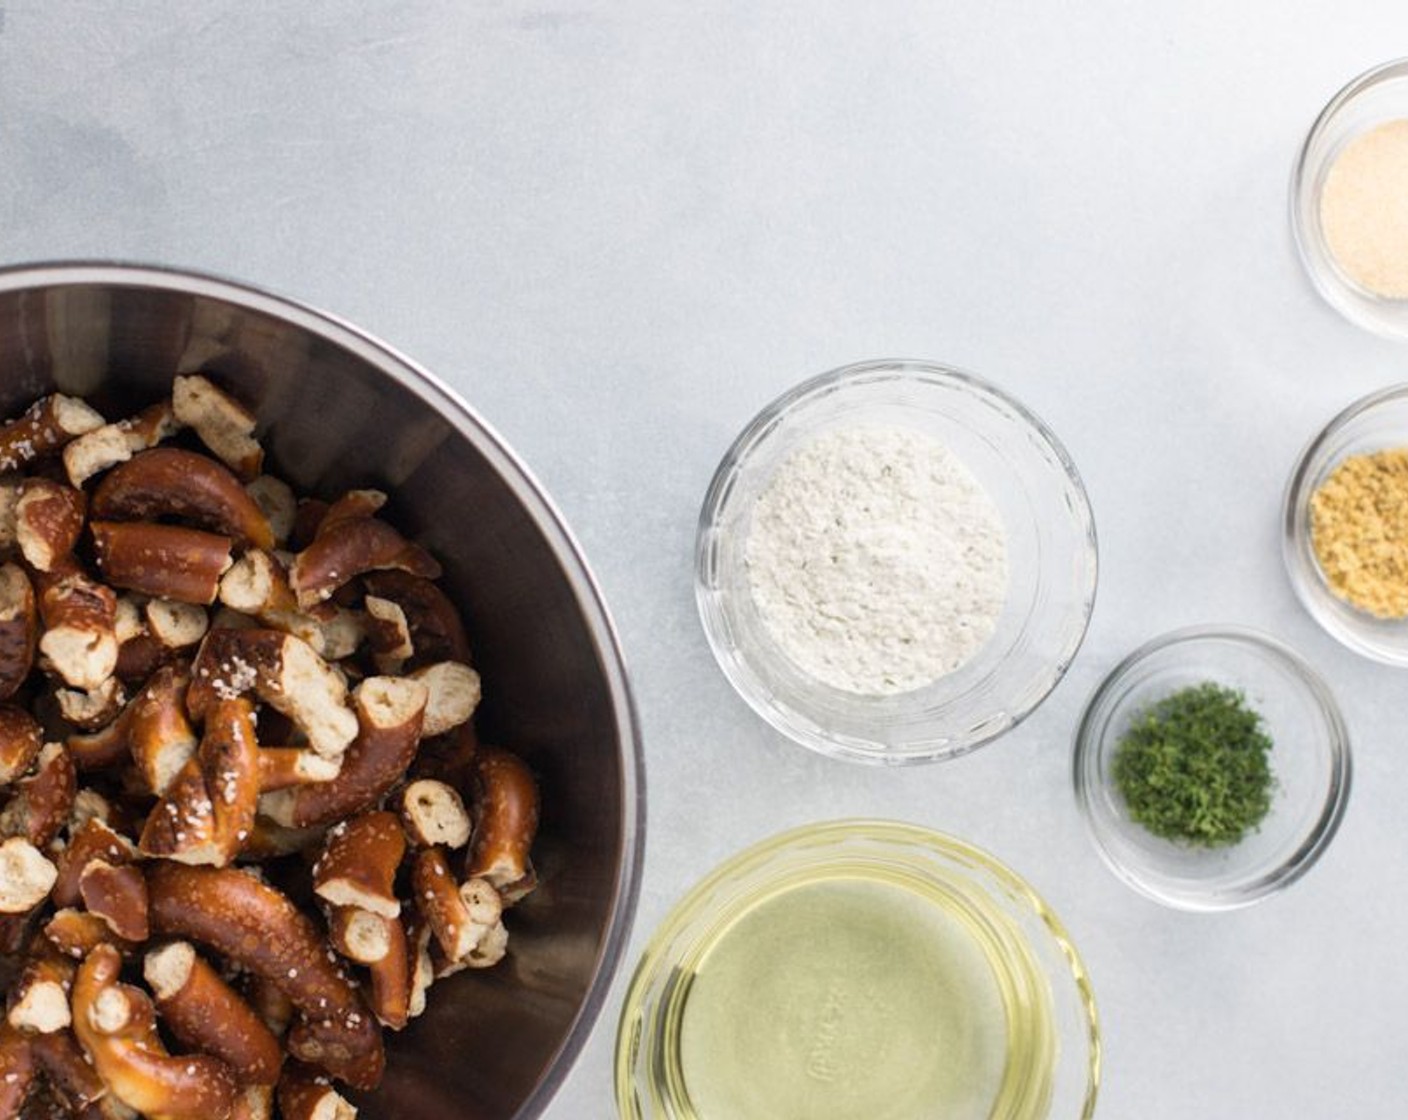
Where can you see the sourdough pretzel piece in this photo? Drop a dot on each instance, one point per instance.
(389, 714)
(433, 814)
(207, 1015)
(164, 561)
(17, 1070)
(68, 1073)
(359, 862)
(257, 585)
(506, 822)
(48, 424)
(91, 709)
(156, 729)
(282, 767)
(388, 634)
(379, 943)
(42, 802)
(48, 521)
(93, 839)
(257, 927)
(117, 895)
(38, 999)
(208, 810)
(116, 1026)
(76, 933)
(437, 632)
(20, 741)
(454, 694)
(459, 917)
(104, 447)
(174, 624)
(79, 640)
(346, 547)
(285, 673)
(305, 1094)
(224, 425)
(168, 482)
(19, 628)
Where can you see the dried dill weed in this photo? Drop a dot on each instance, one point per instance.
(1359, 531)
(1195, 767)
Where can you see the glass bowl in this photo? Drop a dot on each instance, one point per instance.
(859, 968)
(1373, 423)
(1051, 560)
(1310, 765)
(1371, 99)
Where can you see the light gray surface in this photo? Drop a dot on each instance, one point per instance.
(620, 228)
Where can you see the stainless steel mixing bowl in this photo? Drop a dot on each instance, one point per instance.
(341, 409)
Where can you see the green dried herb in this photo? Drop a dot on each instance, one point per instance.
(1195, 767)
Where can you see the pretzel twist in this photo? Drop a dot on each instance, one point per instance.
(116, 1026)
(206, 1014)
(258, 928)
(207, 812)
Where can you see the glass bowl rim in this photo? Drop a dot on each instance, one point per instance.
(865, 374)
(1334, 289)
(1307, 849)
(1297, 551)
(678, 931)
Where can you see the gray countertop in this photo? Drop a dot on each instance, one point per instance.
(620, 228)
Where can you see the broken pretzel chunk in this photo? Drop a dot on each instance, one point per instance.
(48, 521)
(91, 709)
(388, 634)
(433, 815)
(381, 945)
(359, 862)
(224, 425)
(26, 876)
(71, 1077)
(92, 840)
(168, 482)
(282, 767)
(174, 624)
(18, 1069)
(42, 802)
(164, 561)
(389, 713)
(20, 741)
(459, 917)
(345, 548)
(276, 500)
(206, 1014)
(38, 1001)
(305, 1094)
(48, 424)
(76, 933)
(79, 642)
(506, 822)
(96, 451)
(117, 895)
(453, 695)
(116, 1026)
(285, 673)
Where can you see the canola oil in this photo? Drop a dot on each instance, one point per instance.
(847, 996)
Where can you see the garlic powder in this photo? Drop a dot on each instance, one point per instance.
(876, 560)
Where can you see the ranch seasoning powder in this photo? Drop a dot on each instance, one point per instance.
(876, 560)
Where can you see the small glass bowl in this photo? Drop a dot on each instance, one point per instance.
(1310, 763)
(1051, 556)
(835, 1023)
(1373, 423)
(1369, 100)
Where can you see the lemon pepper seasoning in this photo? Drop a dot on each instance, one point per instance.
(1359, 530)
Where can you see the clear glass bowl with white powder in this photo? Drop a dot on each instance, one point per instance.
(896, 562)
(1349, 200)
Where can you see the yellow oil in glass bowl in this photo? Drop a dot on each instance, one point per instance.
(860, 968)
